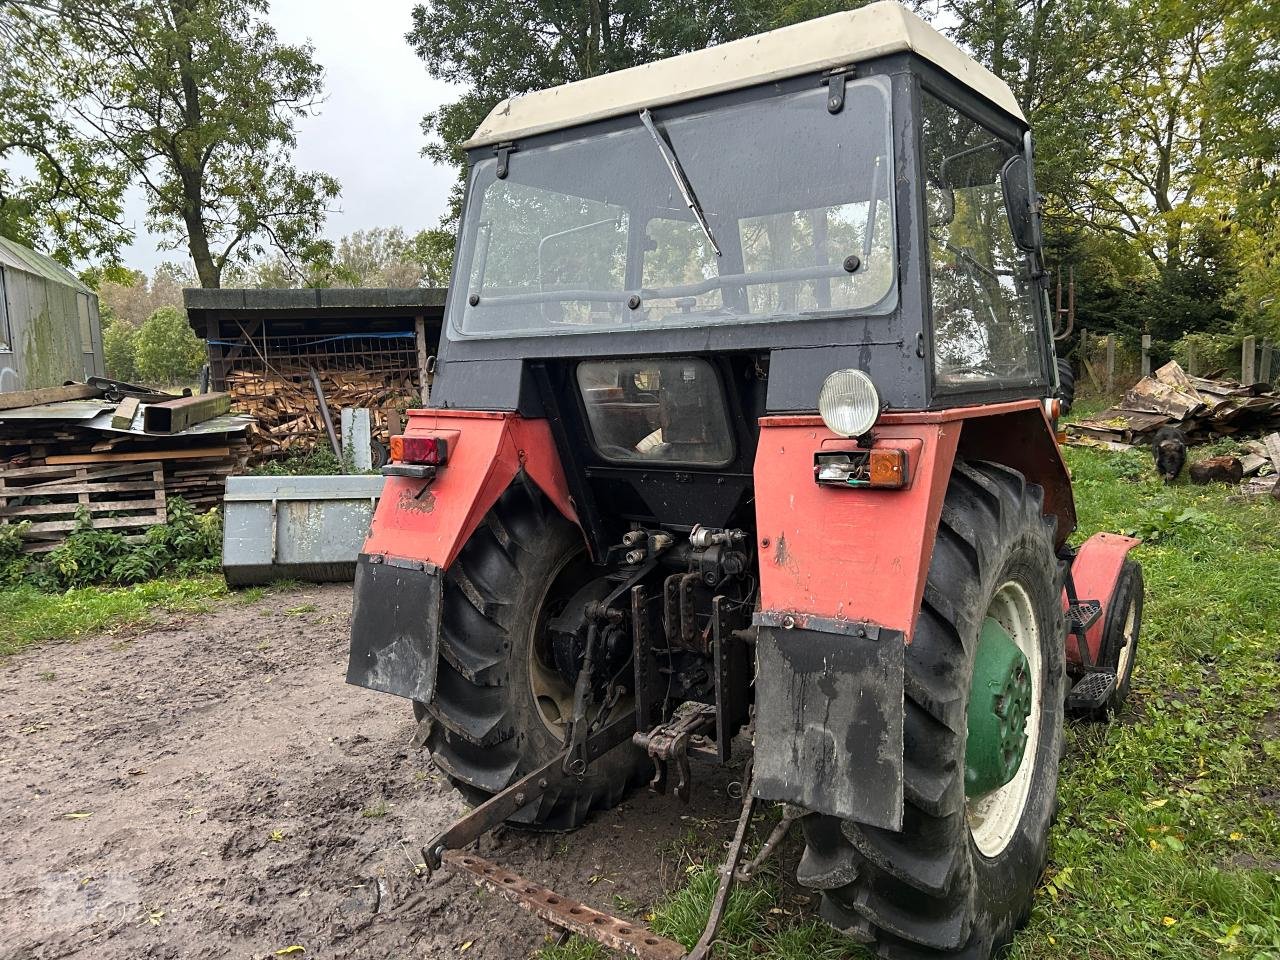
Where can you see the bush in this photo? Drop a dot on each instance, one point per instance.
(187, 544)
(167, 351)
(120, 351)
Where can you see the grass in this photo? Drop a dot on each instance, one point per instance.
(1168, 841)
(33, 616)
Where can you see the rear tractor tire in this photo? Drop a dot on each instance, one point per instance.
(499, 705)
(983, 735)
(1066, 384)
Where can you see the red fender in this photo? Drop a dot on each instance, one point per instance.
(431, 520)
(861, 554)
(1095, 571)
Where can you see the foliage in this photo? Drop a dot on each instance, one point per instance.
(131, 296)
(61, 188)
(379, 257)
(196, 100)
(120, 351)
(189, 543)
(167, 351)
(317, 461)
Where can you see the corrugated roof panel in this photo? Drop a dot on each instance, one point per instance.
(17, 257)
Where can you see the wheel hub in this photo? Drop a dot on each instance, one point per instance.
(999, 704)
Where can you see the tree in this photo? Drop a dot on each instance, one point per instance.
(120, 351)
(379, 257)
(60, 188)
(197, 99)
(130, 297)
(167, 351)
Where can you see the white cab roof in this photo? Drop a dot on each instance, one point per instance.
(828, 42)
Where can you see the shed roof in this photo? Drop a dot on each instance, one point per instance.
(15, 256)
(837, 40)
(375, 299)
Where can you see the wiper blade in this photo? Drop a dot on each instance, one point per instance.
(677, 174)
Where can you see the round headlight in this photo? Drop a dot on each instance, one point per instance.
(848, 403)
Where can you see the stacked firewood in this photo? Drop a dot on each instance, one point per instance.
(287, 408)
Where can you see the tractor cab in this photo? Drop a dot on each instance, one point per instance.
(740, 444)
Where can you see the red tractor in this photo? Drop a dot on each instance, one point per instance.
(742, 438)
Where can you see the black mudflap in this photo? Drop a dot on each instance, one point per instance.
(395, 627)
(829, 714)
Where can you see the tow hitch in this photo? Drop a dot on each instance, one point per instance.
(616, 933)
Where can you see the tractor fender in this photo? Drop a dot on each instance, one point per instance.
(842, 578)
(430, 520)
(861, 555)
(1095, 571)
(418, 529)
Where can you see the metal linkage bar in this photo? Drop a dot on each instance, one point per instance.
(527, 790)
(565, 912)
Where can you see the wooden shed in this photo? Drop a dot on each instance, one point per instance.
(49, 328)
(363, 348)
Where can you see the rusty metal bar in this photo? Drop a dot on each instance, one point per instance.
(528, 789)
(565, 912)
(174, 416)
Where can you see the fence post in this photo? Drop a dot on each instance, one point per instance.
(1193, 366)
(1111, 363)
(1248, 354)
(1264, 368)
(1146, 354)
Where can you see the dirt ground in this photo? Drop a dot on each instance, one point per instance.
(210, 786)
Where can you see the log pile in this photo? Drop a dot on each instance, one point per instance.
(287, 409)
(1203, 409)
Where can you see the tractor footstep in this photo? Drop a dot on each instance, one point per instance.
(1090, 694)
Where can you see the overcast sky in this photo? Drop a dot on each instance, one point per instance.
(366, 132)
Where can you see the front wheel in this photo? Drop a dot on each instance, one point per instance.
(982, 737)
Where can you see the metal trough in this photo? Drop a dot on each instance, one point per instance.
(295, 528)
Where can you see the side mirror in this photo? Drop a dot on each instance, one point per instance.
(1015, 180)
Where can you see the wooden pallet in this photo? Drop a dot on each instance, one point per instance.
(127, 498)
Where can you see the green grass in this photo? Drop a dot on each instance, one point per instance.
(1168, 841)
(32, 616)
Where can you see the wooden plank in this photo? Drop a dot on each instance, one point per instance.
(31, 398)
(139, 455)
(98, 523)
(122, 419)
(424, 361)
(71, 474)
(126, 486)
(94, 508)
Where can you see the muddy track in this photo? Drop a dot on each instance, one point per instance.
(210, 787)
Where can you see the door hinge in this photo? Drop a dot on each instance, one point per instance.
(835, 82)
(503, 151)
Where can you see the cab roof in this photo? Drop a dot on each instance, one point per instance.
(837, 40)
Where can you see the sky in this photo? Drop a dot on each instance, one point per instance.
(367, 131)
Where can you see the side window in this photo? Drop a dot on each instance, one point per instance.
(984, 323)
(677, 254)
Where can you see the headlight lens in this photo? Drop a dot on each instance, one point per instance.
(849, 403)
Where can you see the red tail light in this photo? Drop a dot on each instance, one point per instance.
(432, 451)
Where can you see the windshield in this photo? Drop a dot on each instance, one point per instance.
(599, 234)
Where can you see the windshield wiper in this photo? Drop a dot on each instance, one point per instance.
(677, 174)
